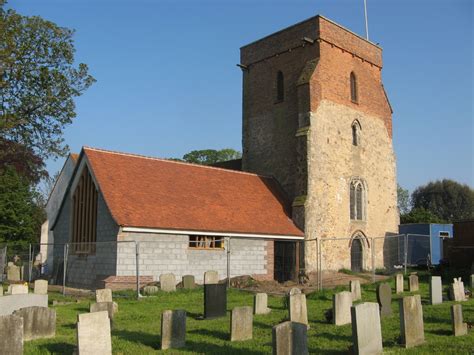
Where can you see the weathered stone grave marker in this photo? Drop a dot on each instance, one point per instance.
(399, 284)
(341, 308)
(459, 327)
(290, 338)
(168, 282)
(103, 295)
(355, 290)
(13, 272)
(11, 303)
(188, 282)
(215, 300)
(472, 283)
(11, 335)
(38, 322)
(241, 323)
(297, 309)
(41, 287)
(384, 298)
(366, 329)
(456, 290)
(211, 277)
(436, 290)
(150, 290)
(110, 307)
(93, 334)
(260, 304)
(173, 329)
(413, 281)
(411, 321)
(18, 289)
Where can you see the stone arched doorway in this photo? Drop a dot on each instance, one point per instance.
(357, 255)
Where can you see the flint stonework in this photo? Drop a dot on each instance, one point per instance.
(11, 303)
(411, 321)
(241, 323)
(93, 334)
(173, 329)
(436, 290)
(341, 307)
(384, 298)
(41, 287)
(211, 277)
(355, 290)
(298, 311)
(289, 338)
(413, 283)
(38, 322)
(366, 329)
(260, 304)
(11, 335)
(188, 282)
(103, 295)
(399, 284)
(168, 282)
(459, 327)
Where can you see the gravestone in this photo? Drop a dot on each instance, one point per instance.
(413, 282)
(173, 329)
(384, 298)
(150, 290)
(297, 309)
(341, 308)
(215, 300)
(399, 284)
(411, 321)
(11, 303)
(103, 295)
(38, 322)
(459, 327)
(456, 290)
(93, 334)
(260, 304)
(241, 323)
(41, 287)
(110, 307)
(472, 283)
(13, 272)
(188, 282)
(11, 335)
(168, 282)
(366, 329)
(211, 277)
(289, 338)
(18, 289)
(436, 290)
(355, 290)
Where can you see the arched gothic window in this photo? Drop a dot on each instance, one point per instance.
(356, 133)
(357, 200)
(280, 87)
(354, 94)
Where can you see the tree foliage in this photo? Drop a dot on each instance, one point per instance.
(403, 200)
(211, 156)
(446, 199)
(419, 215)
(38, 81)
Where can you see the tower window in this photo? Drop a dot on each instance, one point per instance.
(356, 133)
(354, 94)
(357, 200)
(280, 84)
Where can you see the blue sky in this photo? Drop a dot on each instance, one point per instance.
(167, 81)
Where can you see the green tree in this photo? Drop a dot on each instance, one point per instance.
(419, 215)
(38, 81)
(403, 200)
(446, 199)
(211, 156)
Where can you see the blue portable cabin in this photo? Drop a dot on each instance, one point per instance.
(425, 240)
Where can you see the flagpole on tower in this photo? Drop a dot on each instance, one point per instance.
(366, 22)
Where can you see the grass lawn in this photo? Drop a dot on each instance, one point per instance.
(137, 325)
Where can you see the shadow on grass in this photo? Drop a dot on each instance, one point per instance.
(151, 340)
(211, 333)
(441, 332)
(336, 337)
(58, 348)
(431, 319)
(207, 348)
(327, 351)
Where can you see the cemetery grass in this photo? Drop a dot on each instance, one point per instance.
(136, 328)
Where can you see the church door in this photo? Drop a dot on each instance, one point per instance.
(356, 255)
(285, 261)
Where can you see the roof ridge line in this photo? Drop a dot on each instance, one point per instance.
(175, 162)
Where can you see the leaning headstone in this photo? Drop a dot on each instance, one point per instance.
(413, 283)
(13, 272)
(11, 335)
(399, 284)
(436, 290)
(297, 309)
(341, 307)
(168, 282)
(38, 322)
(459, 327)
(456, 290)
(110, 307)
(188, 282)
(355, 290)
(241, 323)
(150, 290)
(289, 338)
(411, 321)
(215, 300)
(103, 295)
(11, 303)
(366, 329)
(260, 304)
(93, 334)
(173, 329)
(41, 287)
(18, 289)
(384, 298)
(211, 277)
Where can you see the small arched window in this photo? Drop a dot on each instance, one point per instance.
(357, 200)
(280, 84)
(356, 133)
(354, 94)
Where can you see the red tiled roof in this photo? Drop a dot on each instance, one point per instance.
(154, 193)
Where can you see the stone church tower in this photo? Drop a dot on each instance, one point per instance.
(317, 118)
